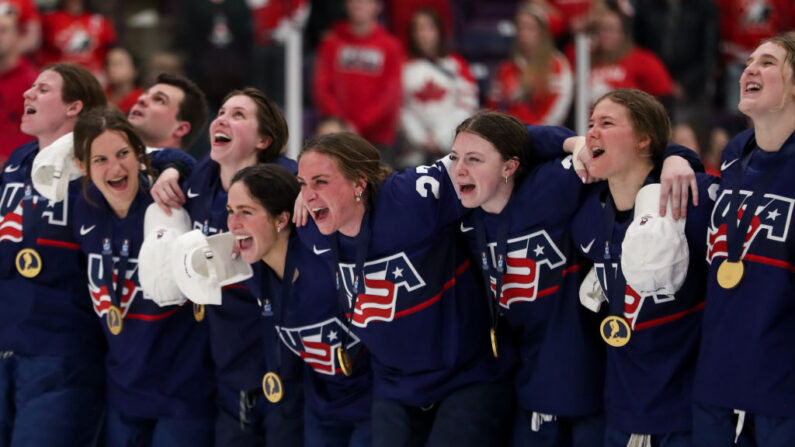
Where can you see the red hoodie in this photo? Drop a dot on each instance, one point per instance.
(358, 79)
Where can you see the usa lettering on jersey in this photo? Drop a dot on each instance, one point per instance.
(100, 296)
(526, 254)
(11, 211)
(771, 218)
(633, 301)
(316, 344)
(383, 280)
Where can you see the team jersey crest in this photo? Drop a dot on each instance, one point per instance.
(11, 211)
(526, 255)
(773, 215)
(383, 280)
(317, 343)
(99, 292)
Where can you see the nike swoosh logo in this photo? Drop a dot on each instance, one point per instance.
(587, 248)
(192, 194)
(465, 229)
(84, 231)
(11, 168)
(726, 164)
(319, 252)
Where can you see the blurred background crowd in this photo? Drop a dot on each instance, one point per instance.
(403, 73)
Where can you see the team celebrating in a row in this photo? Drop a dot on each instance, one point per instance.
(531, 288)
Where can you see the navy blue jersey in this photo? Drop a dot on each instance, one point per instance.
(561, 363)
(648, 385)
(159, 364)
(423, 315)
(235, 326)
(50, 313)
(747, 358)
(312, 326)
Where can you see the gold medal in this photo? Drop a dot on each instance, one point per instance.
(344, 359)
(493, 335)
(730, 273)
(28, 262)
(198, 311)
(272, 387)
(615, 331)
(114, 320)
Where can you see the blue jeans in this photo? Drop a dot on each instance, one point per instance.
(714, 426)
(129, 431)
(247, 419)
(320, 433)
(562, 432)
(477, 415)
(50, 401)
(616, 438)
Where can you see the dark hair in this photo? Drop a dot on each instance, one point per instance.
(79, 85)
(600, 55)
(356, 158)
(647, 116)
(441, 45)
(93, 124)
(506, 133)
(274, 187)
(270, 122)
(193, 107)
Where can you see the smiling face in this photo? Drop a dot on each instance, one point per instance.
(479, 172)
(330, 197)
(766, 84)
(113, 168)
(46, 114)
(154, 116)
(614, 147)
(252, 225)
(234, 133)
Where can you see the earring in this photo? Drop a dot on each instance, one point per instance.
(278, 229)
(359, 197)
(506, 179)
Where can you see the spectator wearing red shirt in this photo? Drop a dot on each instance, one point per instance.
(617, 63)
(743, 25)
(74, 34)
(399, 14)
(536, 85)
(121, 74)
(16, 76)
(28, 23)
(358, 75)
(272, 20)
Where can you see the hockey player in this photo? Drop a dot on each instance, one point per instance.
(747, 359)
(249, 129)
(305, 311)
(529, 259)
(411, 293)
(159, 376)
(654, 292)
(51, 343)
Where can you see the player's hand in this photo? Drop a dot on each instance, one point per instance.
(166, 191)
(300, 212)
(581, 156)
(676, 178)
